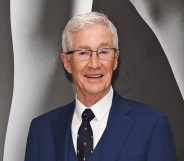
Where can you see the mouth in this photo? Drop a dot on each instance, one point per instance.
(94, 76)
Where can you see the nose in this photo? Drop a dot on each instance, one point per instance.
(94, 62)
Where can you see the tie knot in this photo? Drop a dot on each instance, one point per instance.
(87, 115)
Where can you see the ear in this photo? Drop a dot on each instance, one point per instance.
(116, 60)
(66, 62)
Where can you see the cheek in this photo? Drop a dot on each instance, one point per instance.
(77, 70)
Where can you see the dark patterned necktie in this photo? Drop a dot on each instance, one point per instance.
(85, 136)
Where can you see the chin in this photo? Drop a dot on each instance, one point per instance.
(94, 89)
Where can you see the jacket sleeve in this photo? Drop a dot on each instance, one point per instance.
(161, 147)
(31, 147)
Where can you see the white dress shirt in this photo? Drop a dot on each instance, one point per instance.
(101, 111)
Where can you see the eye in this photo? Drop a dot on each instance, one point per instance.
(104, 51)
(83, 53)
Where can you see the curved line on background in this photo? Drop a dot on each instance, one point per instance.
(166, 18)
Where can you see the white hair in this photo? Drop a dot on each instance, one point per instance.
(80, 21)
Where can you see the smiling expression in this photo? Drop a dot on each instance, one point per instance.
(92, 78)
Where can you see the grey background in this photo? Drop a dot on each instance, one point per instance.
(166, 19)
(6, 69)
(31, 70)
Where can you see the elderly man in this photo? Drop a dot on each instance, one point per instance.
(99, 125)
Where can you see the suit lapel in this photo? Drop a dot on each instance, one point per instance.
(118, 128)
(62, 132)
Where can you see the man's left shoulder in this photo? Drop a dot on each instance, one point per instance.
(138, 109)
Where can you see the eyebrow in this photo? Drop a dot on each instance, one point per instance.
(104, 44)
(84, 47)
(88, 47)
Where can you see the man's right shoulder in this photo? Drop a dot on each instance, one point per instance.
(61, 112)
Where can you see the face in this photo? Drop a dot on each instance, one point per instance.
(91, 77)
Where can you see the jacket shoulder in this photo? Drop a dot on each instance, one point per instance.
(57, 113)
(137, 109)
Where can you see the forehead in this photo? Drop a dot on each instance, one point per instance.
(92, 36)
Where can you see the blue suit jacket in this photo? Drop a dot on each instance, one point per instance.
(134, 132)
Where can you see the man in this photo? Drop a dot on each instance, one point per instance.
(99, 125)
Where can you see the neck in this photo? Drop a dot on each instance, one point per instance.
(90, 99)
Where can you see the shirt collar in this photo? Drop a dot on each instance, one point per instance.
(99, 109)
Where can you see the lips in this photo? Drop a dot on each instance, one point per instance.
(93, 75)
